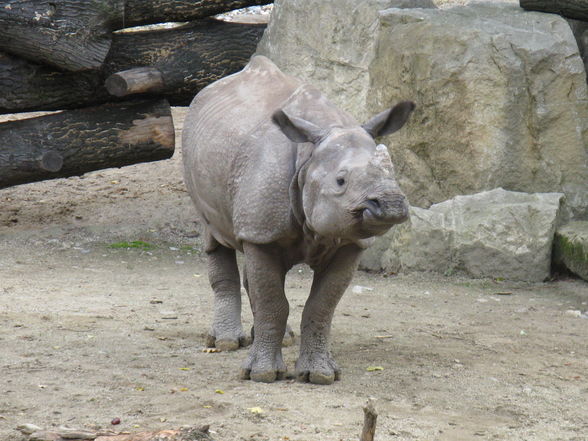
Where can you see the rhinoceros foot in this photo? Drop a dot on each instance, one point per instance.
(227, 342)
(264, 364)
(317, 368)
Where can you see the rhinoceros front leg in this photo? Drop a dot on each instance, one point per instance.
(315, 363)
(266, 274)
(226, 332)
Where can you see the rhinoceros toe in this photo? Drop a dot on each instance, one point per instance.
(227, 343)
(317, 368)
(264, 364)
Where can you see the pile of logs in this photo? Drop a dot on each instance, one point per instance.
(115, 83)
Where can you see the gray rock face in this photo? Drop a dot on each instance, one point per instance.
(332, 47)
(501, 93)
(496, 233)
(570, 247)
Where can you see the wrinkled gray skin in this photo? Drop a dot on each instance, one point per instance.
(278, 172)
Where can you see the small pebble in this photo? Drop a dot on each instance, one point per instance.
(115, 421)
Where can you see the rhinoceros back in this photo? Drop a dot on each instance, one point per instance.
(219, 126)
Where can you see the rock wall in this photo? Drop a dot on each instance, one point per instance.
(501, 93)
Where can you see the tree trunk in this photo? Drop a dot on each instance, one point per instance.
(577, 9)
(67, 34)
(74, 142)
(141, 12)
(189, 58)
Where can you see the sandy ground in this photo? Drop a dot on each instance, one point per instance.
(89, 333)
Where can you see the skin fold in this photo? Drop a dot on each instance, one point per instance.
(279, 173)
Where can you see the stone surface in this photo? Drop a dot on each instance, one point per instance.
(333, 47)
(496, 234)
(570, 247)
(501, 93)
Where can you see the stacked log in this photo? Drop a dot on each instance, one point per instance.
(187, 58)
(71, 54)
(75, 142)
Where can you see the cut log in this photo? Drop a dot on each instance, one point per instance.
(72, 143)
(189, 58)
(138, 80)
(68, 34)
(577, 9)
(141, 12)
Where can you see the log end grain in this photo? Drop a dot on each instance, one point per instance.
(138, 80)
(51, 161)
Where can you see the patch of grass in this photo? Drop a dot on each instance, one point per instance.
(136, 244)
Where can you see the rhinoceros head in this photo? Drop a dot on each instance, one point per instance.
(345, 184)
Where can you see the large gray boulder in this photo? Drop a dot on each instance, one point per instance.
(501, 93)
(570, 247)
(497, 234)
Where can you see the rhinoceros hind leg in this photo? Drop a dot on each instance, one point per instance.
(226, 332)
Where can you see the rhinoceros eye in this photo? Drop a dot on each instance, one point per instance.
(340, 182)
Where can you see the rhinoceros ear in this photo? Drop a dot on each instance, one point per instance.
(298, 129)
(389, 120)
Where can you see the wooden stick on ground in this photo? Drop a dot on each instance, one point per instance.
(369, 421)
(35, 433)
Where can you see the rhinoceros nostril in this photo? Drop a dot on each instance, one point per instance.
(374, 207)
(374, 202)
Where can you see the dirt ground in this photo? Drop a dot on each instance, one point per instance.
(90, 332)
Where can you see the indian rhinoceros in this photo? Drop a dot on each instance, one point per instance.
(278, 172)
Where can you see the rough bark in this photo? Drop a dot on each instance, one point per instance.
(74, 142)
(26, 86)
(68, 34)
(577, 9)
(189, 58)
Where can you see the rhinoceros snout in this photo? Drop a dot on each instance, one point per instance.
(381, 213)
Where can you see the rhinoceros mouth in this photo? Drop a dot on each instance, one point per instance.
(373, 220)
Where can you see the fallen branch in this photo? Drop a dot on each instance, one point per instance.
(35, 433)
